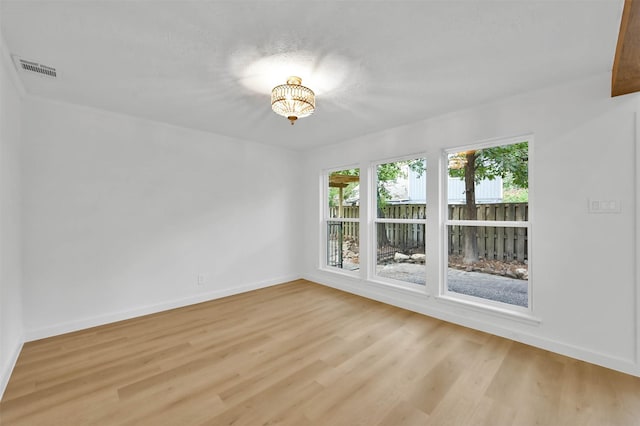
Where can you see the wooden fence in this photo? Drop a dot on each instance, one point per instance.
(349, 229)
(502, 243)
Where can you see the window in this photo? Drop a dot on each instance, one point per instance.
(342, 223)
(487, 237)
(399, 224)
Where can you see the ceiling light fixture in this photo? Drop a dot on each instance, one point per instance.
(293, 100)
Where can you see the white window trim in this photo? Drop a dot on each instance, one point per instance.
(525, 314)
(495, 308)
(372, 252)
(496, 223)
(343, 219)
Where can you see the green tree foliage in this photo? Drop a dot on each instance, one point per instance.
(513, 193)
(506, 161)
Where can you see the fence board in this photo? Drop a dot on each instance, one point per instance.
(499, 236)
(509, 233)
(482, 232)
(521, 238)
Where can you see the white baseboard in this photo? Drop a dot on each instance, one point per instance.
(84, 323)
(403, 299)
(5, 375)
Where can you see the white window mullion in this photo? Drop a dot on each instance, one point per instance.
(400, 220)
(343, 219)
(498, 223)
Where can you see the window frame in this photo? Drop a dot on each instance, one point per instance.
(326, 218)
(374, 220)
(479, 303)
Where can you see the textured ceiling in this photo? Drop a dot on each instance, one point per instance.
(374, 64)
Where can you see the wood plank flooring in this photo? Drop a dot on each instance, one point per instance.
(303, 354)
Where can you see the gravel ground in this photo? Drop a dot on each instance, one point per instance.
(486, 286)
(407, 272)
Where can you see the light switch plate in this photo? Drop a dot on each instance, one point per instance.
(604, 206)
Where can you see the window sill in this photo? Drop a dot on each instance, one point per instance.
(522, 317)
(339, 271)
(409, 288)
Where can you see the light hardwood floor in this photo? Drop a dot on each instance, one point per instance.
(303, 354)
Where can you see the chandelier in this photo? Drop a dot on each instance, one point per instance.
(293, 100)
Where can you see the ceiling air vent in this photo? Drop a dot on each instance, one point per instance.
(34, 67)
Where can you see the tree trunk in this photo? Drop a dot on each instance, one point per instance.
(471, 212)
(383, 240)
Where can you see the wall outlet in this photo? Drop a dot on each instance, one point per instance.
(201, 279)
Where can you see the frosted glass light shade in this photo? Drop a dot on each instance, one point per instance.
(292, 100)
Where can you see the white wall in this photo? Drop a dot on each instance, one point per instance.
(122, 214)
(584, 291)
(11, 326)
